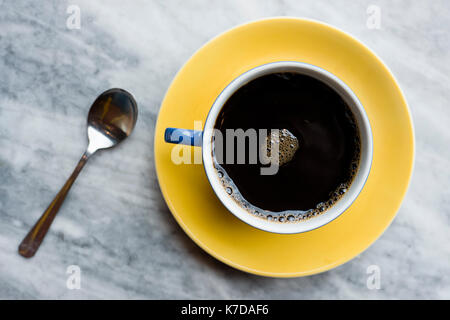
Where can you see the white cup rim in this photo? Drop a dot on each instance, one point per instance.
(366, 148)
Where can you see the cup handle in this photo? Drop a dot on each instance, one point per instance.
(184, 136)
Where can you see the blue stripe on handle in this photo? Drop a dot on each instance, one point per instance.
(183, 136)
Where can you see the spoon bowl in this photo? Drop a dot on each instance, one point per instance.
(111, 119)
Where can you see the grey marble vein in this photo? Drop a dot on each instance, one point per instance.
(123, 237)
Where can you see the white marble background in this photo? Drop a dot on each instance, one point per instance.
(115, 224)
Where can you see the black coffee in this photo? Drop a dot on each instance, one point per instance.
(319, 128)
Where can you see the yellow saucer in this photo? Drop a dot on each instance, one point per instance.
(191, 198)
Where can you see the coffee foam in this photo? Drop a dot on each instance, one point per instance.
(279, 147)
(282, 216)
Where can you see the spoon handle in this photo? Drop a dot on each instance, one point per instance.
(30, 244)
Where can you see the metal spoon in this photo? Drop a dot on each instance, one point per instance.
(111, 119)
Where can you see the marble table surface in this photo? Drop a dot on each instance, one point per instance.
(122, 236)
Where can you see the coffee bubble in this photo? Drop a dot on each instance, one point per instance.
(291, 216)
(283, 141)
